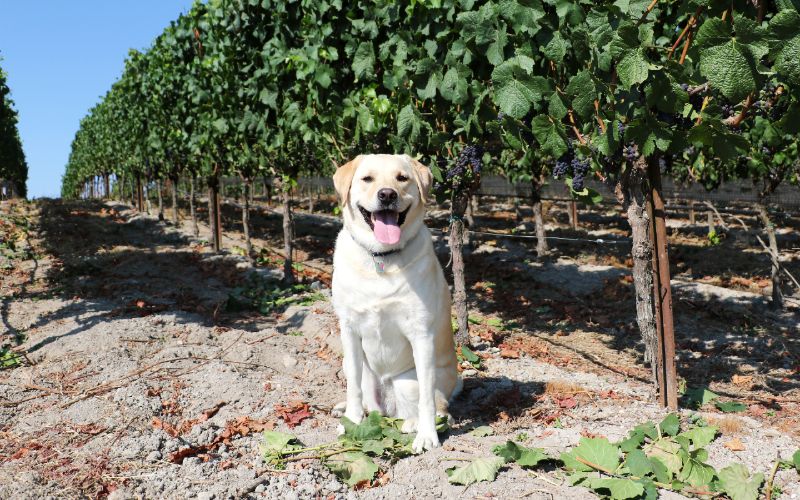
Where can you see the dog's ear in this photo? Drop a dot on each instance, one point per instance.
(343, 178)
(423, 177)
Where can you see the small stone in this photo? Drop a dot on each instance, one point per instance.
(315, 285)
(205, 495)
(260, 488)
(289, 361)
(469, 373)
(154, 456)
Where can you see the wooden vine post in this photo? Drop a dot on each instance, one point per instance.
(665, 328)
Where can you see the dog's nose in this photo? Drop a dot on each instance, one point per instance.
(387, 196)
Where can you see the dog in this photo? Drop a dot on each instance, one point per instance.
(391, 298)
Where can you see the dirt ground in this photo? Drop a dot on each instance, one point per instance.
(137, 378)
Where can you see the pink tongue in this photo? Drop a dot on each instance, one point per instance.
(385, 227)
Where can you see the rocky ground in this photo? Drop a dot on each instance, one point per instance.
(135, 374)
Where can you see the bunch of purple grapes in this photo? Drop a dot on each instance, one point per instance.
(570, 163)
(464, 174)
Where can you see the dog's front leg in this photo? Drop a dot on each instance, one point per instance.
(427, 438)
(353, 365)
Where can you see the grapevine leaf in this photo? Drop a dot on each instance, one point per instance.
(714, 31)
(480, 469)
(369, 428)
(735, 480)
(364, 60)
(638, 463)
(696, 473)
(515, 90)
(619, 488)
(670, 425)
(408, 123)
(275, 442)
(729, 68)
(666, 451)
(352, 467)
(523, 456)
(556, 107)
(632, 69)
(700, 436)
(597, 451)
(699, 396)
(796, 460)
(550, 135)
(788, 61)
(730, 406)
(556, 48)
(453, 86)
(583, 91)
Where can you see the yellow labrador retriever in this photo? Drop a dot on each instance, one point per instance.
(391, 297)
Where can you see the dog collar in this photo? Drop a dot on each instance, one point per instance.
(384, 254)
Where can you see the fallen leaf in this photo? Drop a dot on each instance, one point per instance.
(568, 402)
(734, 444)
(294, 413)
(742, 379)
(507, 352)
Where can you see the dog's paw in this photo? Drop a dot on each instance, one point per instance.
(409, 426)
(425, 440)
(339, 409)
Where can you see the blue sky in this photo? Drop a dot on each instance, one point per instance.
(61, 56)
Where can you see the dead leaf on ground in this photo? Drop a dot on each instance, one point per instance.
(734, 444)
(293, 413)
(742, 379)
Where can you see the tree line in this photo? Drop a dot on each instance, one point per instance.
(13, 167)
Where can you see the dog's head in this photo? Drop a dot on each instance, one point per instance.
(383, 199)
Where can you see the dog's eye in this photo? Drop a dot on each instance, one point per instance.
(367, 179)
(401, 178)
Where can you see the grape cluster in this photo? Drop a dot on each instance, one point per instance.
(463, 175)
(568, 164)
(579, 170)
(630, 152)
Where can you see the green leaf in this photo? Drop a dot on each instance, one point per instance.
(788, 61)
(275, 442)
(619, 488)
(556, 48)
(480, 469)
(700, 436)
(597, 451)
(375, 446)
(583, 91)
(796, 460)
(666, 451)
(670, 425)
(736, 482)
(470, 356)
(699, 396)
(408, 123)
(730, 69)
(369, 428)
(638, 463)
(714, 31)
(523, 456)
(482, 431)
(556, 107)
(696, 473)
(514, 90)
(352, 467)
(730, 406)
(364, 61)
(550, 135)
(632, 69)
